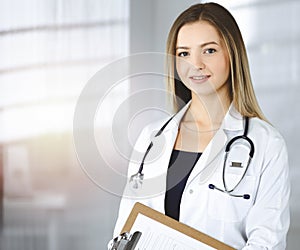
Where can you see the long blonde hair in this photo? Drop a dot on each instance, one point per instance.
(241, 90)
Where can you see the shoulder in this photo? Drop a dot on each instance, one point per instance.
(266, 134)
(150, 130)
(154, 127)
(264, 128)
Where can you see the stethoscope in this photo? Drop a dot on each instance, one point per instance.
(227, 150)
(136, 180)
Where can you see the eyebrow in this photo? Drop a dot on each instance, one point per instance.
(202, 45)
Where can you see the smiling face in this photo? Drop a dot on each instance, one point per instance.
(202, 60)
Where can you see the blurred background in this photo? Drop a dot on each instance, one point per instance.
(50, 49)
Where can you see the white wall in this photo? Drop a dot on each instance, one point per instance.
(49, 51)
(150, 22)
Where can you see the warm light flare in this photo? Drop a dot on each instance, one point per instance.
(29, 121)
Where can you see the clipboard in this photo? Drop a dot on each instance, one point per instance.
(140, 209)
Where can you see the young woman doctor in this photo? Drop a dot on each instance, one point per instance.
(241, 199)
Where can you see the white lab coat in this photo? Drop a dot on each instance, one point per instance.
(261, 222)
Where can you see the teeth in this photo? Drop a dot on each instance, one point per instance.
(198, 77)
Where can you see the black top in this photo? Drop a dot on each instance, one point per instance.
(180, 166)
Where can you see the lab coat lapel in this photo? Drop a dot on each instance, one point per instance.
(209, 160)
(171, 131)
(207, 163)
(165, 143)
(169, 136)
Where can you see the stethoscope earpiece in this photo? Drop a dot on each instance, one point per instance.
(245, 196)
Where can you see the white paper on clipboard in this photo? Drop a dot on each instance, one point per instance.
(158, 236)
(162, 232)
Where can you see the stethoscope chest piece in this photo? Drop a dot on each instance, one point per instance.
(136, 180)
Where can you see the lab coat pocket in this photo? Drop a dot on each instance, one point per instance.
(222, 206)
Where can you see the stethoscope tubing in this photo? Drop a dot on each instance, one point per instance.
(137, 178)
(151, 145)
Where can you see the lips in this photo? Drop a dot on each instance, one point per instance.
(199, 78)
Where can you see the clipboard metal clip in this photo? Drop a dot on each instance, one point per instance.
(125, 241)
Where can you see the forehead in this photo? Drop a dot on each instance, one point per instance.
(197, 33)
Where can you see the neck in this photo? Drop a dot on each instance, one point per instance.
(207, 112)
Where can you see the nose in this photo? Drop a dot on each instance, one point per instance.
(197, 61)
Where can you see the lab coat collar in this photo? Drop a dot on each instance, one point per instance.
(178, 117)
(233, 120)
(206, 165)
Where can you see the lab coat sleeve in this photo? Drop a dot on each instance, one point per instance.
(268, 221)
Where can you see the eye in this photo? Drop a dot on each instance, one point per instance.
(210, 51)
(183, 54)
